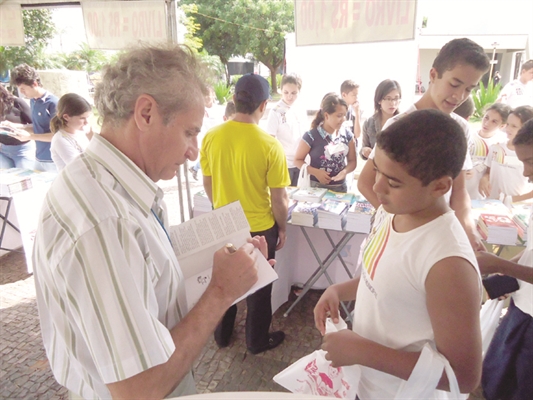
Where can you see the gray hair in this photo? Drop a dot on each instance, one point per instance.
(171, 74)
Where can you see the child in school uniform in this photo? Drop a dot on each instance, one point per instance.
(490, 133)
(288, 121)
(456, 71)
(350, 94)
(503, 178)
(419, 283)
(508, 364)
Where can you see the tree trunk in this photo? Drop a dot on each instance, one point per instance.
(273, 80)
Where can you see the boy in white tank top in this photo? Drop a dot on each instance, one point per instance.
(419, 283)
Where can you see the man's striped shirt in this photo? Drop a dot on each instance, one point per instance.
(108, 284)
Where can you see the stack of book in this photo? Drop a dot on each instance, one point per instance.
(292, 204)
(359, 216)
(347, 198)
(521, 217)
(310, 195)
(305, 213)
(201, 203)
(497, 229)
(14, 180)
(331, 214)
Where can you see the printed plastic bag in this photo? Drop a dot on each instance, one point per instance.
(303, 178)
(314, 375)
(489, 318)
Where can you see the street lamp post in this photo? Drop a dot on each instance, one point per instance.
(492, 62)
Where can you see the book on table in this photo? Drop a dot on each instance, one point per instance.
(331, 214)
(305, 214)
(521, 213)
(347, 198)
(290, 208)
(310, 195)
(497, 229)
(359, 216)
(201, 203)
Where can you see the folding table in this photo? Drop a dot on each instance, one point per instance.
(323, 264)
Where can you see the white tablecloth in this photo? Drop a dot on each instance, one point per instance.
(295, 263)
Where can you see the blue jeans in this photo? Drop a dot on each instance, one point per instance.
(45, 166)
(20, 156)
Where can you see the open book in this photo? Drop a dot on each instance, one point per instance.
(195, 241)
(8, 136)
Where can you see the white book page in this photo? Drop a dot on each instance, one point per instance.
(195, 241)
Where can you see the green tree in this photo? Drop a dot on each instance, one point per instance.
(239, 27)
(265, 24)
(218, 37)
(85, 59)
(38, 30)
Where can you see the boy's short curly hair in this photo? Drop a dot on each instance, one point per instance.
(461, 51)
(23, 74)
(429, 143)
(524, 135)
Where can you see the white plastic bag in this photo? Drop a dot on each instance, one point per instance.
(314, 375)
(489, 318)
(303, 179)
(426, 375)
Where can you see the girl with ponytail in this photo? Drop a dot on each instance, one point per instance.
(330, 146)
(70, 128)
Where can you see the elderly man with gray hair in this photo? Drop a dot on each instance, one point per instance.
(110, 291)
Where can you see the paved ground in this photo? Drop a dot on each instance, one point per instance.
(24, 369)
(25, 373)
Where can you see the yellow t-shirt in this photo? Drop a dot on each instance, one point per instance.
(244, 162)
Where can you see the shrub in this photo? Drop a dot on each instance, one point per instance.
(222, 92)
(484, 97)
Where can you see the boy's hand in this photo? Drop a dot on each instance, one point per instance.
(327, 305)
(488, 262)
(343, 347)
(484, 185)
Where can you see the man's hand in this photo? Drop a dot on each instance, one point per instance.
(234, 274)
(260, 243)
(328, 305)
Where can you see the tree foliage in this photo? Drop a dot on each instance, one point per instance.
(38, 30)
(238, 27)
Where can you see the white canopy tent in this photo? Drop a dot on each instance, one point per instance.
(109, 24)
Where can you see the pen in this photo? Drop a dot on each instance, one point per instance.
(231, 248)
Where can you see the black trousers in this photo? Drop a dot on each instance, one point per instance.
(259, 306)
(294, 173)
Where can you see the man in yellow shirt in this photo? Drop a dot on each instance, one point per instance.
(242, 162)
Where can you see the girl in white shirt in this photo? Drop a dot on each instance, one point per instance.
(70, 128)
(287, 121)
(491, 132)
(504, 174)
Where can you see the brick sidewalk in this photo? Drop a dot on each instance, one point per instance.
(25, 373)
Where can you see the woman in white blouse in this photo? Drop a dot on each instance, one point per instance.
(72, 132)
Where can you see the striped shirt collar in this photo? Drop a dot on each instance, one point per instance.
(138, 185)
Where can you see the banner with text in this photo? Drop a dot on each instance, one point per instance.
(353, 21)
(11, 26)
(114, 25)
